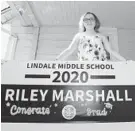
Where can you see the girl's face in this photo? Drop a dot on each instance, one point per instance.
(89, 21)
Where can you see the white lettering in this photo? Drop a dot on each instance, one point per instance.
(69, 95)
(118, 96)
(102, 95)
(91, 97)
(79, 94)
(91, 112)
(14, 110)
(110, 95)
(33, 95)
(23, 96)
(17, 94)
(58, 96)
(9, 95)
(43, 95)
(126, 96)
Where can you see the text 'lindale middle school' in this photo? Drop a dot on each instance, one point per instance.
(66, 95)
(69, 66)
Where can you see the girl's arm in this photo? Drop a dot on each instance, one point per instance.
(72, 47)
(113, 53)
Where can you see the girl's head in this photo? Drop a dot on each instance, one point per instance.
(89, 21)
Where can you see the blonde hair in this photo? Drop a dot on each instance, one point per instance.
(81, 23)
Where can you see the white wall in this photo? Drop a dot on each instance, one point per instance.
(24, 43)
(126, 40)
(53, 40)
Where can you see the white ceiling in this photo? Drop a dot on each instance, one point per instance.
(111, 14)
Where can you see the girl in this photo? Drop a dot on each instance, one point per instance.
(89, 43)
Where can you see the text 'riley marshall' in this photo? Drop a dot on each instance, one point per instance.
(67, 95)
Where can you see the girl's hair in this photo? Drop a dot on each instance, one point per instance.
(81, 23)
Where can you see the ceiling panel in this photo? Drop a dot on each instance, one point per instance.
(111, 14)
